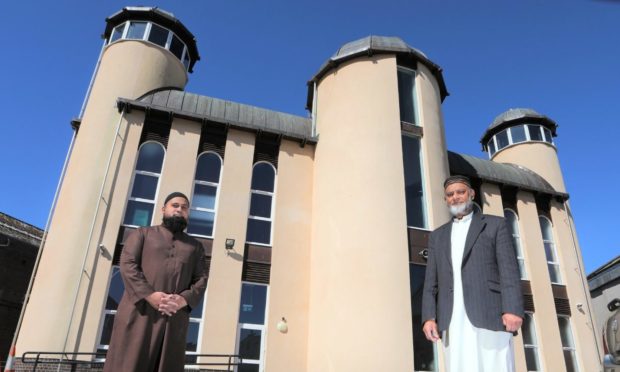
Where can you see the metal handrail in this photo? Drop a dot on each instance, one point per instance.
(68, 358)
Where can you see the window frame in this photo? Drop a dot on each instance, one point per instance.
(217, 194)
(252, 326)
(536, 346)
(528, 138)
(572, 348)
(516, 235)
(414, 95)
(555, 264)
(422, 181)
(146, 35)
(144, 173)
(273, 199)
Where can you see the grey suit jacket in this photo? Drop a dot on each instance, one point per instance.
(490, 275)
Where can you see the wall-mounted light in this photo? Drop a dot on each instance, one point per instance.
(229, 245)
(282, 326)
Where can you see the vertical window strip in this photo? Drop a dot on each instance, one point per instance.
(568, 344)
(262, 196)
(407, 95)
(251, 324)
(513, 224)
(550, 250)
(414, 182)
(139, 210)
(530, 343)
(205, 195)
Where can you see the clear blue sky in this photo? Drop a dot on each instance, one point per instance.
(561, 58)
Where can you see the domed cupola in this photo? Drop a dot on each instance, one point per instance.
(517, 126)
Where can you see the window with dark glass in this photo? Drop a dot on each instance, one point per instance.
(414, 189)
(251, 328)
(206, 186)
(535, 133)
(136, 30)
(547, 133)
(423, 350)
(139, 210)
(261, 204)
(502, 139)
(518, 134)
(406, 95)
(158, 35)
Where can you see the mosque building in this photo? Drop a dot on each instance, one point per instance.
(315, 228)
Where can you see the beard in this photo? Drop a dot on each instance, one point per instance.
(461, 209)
(175, 223)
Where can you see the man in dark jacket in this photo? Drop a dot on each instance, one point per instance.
(472, 292)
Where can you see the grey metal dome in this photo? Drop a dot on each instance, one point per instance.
(517, 116)
(372, 45)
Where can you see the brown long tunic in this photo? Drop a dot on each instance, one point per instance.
(155, 260)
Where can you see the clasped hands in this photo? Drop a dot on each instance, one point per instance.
(165, 303)
(511, 322)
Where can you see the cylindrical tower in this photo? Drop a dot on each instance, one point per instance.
(145, 49)
(524, 137)
(370, 95)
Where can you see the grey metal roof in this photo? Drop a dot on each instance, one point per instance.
(200, 108)
(501, 173)
(604, 274)
(375, 45)
(515, 116)
(162, 18)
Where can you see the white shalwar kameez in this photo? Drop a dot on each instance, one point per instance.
(467, 348)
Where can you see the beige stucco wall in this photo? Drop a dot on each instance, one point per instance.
(290, 260)
(589, 350)
(127, 69)
(491, 198)
(545, 317)
(100, 268)
(540, 157)
(434, 155)
(360, 310)
(221, 313)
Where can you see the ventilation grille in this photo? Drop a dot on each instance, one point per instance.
(256, 272)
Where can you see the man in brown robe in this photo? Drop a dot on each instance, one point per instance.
(164, 274)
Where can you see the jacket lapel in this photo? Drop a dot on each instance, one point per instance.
(447, 243)
(475, 228)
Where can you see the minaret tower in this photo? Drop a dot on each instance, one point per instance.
(145, 49)
(367, 100)
(524, 137)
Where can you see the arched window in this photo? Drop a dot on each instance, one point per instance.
(553, 262)
(261, 204)
(513, 225)
(204, 199)
(141, 202)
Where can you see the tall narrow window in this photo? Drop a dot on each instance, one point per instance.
(407, 96)
(194, 333)
(530, 343)
(513, 225)
(251, 328)
(414, 190)
(424, 351)
(115, 292)
(568, 344)
(553, 263)
(139, 211)
(204, 199)
(261, 204)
